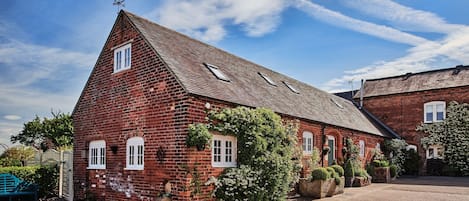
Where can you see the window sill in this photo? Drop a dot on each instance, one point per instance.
(223, 165)
(134, 168)
(96, 168)
(121, 70)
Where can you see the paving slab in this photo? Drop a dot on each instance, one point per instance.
(408, 189)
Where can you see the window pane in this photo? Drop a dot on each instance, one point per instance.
(217, 151)
(439, 116)
(429, 116)
(228, 151)
(309, 144)
(439, 108)
(103, 155)
(304, 144)
(430, 153)
(131, 155)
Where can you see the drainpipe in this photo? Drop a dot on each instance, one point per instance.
(361, 94)
(323, 141)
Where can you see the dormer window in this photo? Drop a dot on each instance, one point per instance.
(267, 79)
(217, 72)
(291, 87)
(122, 58)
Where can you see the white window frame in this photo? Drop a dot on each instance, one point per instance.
(435, 151)
(330, 137)
(135, 153)
(217, 72)
(433, 109)
(221, 151)
(411, 146)
(361, 143)
(97, 154)
(308, 143)
(123, 58)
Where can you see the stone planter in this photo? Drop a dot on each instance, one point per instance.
(335, 189)
(315, 188)
(349, 181)
(361, 181)
(381, 175)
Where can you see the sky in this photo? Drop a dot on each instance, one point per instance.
(48, 48)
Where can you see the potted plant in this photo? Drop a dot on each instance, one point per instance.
(381, 171)
(318, 185)
(362, 178)
(199, 136)
(340, 175)
(349, 173)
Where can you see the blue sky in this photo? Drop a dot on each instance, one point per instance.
(48, 48)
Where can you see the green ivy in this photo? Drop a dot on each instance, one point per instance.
(396, 150)
(199, 136)
(453, 134)
(266, 147)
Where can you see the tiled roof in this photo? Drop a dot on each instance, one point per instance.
(412, 82)
(186, 57)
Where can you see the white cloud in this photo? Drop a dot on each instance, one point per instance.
(12, 117)
(404, 17)
(207, 19)
(449, 51)
(340, 20)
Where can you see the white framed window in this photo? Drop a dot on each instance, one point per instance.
(378, 146)
(434, 111)
(361, 143)
(135, 153)
(308, 143)
(224, 151)
(97, 155)
(435, 152)
(122, 58)
(411, 146)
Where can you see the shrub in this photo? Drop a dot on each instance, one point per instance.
(338, 169)
(25, 173)
(199, 136)
(241, 183)
(320, 174)
(381, 163)
(348, 170)
(46, 177)
(396, 148)
(268, 147)
(315, 158)
(393, 170)
(370, 169)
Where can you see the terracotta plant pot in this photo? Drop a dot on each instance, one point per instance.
(315, 188)
(381, 175)
(361, 181)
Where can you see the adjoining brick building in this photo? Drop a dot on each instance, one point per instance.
(149, 83)
(404, 102)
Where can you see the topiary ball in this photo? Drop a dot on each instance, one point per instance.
(338, 169)
(320, 174)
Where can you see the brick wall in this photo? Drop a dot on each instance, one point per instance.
(148, 101)
(404, 112)
(145, 101)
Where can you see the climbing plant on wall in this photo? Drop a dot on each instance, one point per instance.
(395, 149)
(266, 147)
(452, 134)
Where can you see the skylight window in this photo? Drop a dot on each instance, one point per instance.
(291, 87)
(217, 72)
(337, 103)
(270, 81)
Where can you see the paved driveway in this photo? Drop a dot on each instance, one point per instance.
(409, 189)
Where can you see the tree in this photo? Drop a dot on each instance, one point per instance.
(452, 134)
(56, 132)
(18, 153)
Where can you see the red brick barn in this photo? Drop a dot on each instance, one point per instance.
(149, 83)
(404, 102)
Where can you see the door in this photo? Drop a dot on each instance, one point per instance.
(331, 154)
